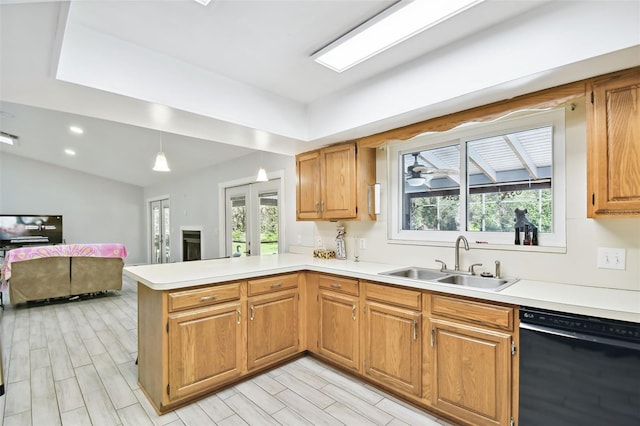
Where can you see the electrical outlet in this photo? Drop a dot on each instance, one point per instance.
(319, 243)
(611, 258)
(363, 243)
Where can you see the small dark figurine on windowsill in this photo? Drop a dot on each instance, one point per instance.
(523, 224)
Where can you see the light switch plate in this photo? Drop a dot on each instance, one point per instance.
(612, 258)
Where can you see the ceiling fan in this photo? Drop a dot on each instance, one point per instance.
(418, 174)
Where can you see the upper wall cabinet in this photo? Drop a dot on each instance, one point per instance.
(613, 145)
(334, 183)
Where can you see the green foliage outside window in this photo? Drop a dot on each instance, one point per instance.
(494, 212)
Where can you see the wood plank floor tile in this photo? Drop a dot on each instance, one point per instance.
(116, 386)
(303, 373)
(39, 358)
(358, 405)
(134, 415)
(260, 397)
(78, 353)
(234, 420)
(321, 399)
(194, 415)
(99, 406)
(269, 384)
(77, 417)
(20, 419)
(250, 413)
(68, 394)
(306, 409)
(60, 360)
(129, 371)
(151, 413)
(19, 362)
(18, 398)
(117, 352)
(355, 387)
(347, 415)
(215, 408)
(44, 403)
(406, 413)
(288, 417)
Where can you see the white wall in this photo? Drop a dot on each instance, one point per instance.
(94, 209)
(194, 201)
(584, 236)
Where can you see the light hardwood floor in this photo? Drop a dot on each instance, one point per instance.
(73, 363)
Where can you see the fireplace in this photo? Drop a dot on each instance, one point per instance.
(191, 248)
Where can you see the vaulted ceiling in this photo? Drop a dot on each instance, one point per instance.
(223, 80)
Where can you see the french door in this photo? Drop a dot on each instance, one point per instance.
(160, 242)
(252, 219)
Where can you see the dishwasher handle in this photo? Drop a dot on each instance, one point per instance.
(580, 336)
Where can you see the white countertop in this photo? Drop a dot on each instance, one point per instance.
(595, 301)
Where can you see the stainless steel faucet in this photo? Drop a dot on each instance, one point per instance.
(466, 247)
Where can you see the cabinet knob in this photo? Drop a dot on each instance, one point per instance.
(239, 317)
(253, 313)
(336, 285)
(353, 312)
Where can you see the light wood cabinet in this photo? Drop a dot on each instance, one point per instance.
(194, 341)
(205, 348)
(339, 321)
(272, 326)
(333, 183)
(471, 360)
(448, 354)
(613, 145)
(393, 337)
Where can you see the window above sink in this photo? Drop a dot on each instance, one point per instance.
(471, 179)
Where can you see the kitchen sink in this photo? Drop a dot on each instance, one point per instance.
(452, 278)
(495, 284)
(414, 273)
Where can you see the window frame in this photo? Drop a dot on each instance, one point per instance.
(460, 136)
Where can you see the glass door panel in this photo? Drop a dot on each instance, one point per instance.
(269, 222)
(253, 219)
(160, 231)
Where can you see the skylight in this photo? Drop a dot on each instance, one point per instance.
(401, 21)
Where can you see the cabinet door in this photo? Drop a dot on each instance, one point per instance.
(205, 348)
(338, 334)
(339, 182)
(471, 372)
(272, 328)
(308, 189)
(613, 174)
(393, 347)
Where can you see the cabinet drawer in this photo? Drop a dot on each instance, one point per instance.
(275, 283)
(343, 285)
(203, 296)
(474, 312)
(394, 295)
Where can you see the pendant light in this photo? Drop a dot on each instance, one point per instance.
(161, 164)
(262, 173)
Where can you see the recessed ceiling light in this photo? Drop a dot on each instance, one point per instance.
(203, 2)
(8, 138)
(395, 24)
(70, 152)
(77, 130)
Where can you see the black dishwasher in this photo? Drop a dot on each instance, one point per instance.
(578, 370)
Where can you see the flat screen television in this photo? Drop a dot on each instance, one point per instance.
(23, 230)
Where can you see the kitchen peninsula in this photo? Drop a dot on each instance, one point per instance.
(204, 325)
